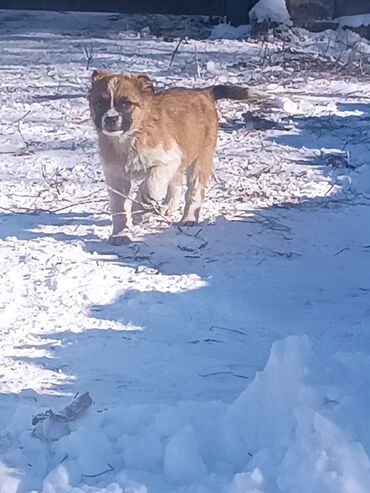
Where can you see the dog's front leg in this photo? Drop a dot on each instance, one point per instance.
(153, 190)
(119, 188)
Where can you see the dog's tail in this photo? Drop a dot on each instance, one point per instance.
(237, 92)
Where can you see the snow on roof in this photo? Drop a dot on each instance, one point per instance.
(271, 10)
(354, 20)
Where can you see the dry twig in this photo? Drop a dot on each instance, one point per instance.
(175, 51)
(89, 53)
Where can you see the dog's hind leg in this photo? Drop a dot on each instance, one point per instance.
(197, 177)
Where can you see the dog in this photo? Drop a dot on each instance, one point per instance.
(155, 138)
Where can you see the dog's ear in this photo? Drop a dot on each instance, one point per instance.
(100, 74)
(143, 83)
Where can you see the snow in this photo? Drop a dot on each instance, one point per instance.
(354, 20)
(270, 10)
(288, 420)
(227, 358)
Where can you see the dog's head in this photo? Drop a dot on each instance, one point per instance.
(117, 101)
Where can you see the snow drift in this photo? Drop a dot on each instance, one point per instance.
(282, 434)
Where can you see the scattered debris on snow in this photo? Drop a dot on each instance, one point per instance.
(49, 419)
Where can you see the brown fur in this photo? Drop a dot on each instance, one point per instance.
(170, 133)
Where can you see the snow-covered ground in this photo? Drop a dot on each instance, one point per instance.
(232, 357)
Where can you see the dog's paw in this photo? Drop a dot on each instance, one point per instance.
(120, 239)
(186, 222)
(167, 212)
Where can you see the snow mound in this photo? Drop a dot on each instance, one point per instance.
(282, 434)
(270, 10)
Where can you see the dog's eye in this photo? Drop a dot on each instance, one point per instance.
(123, 104)
(101, 103)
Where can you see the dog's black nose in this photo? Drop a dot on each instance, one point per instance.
(111, 121)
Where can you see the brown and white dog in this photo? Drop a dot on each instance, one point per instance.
(155, 138)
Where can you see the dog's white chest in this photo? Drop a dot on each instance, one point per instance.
(137, 160)
(149, 157)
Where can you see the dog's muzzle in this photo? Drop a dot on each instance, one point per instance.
(112, 123)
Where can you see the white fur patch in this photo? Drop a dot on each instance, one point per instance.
(138, 163)
(112, 84)
(162, 166)
(115, 133)
(112, 112)
(158, 156)
(128, 162)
